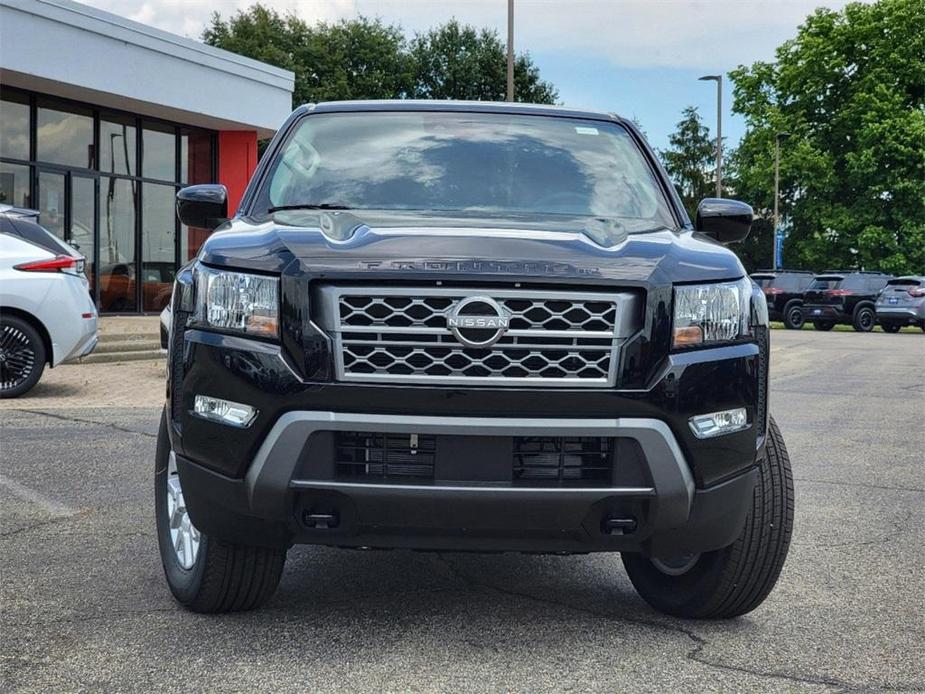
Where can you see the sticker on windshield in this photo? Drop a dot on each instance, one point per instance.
(581, 130)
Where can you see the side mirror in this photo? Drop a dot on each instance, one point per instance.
(727, 221)
(204, 206)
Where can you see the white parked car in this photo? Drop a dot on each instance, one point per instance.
(46, 313)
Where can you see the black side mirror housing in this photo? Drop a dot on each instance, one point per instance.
(727, 221)
(204, 206)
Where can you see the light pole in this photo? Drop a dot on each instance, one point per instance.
(777, 138)
(719, 130)
(510, 50)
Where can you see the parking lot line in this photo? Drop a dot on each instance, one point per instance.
(50, 506)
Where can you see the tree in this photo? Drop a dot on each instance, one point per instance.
(355, 59)
(366, 59)
(850, 90)
(690, 160)
(457, 61)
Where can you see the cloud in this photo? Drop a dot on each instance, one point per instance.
(707, 34)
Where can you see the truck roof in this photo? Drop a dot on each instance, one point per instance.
(460, 107)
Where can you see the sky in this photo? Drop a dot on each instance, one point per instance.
(638, 58)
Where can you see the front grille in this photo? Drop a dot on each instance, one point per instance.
(563, 460)
(365, 455)
(404, 335)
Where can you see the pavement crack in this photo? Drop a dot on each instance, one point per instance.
(43, 523)
(695, 654)
(80, 420)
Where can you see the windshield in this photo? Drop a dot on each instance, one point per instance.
(472, 162)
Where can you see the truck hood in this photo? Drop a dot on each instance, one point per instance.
(406, 245)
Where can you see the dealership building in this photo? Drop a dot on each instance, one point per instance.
(102, 119)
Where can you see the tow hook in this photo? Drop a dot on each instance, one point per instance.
(619, 526)
(320, 521)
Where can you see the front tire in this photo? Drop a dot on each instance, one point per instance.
(793, 316)
(203, 573)
(22, 357)
(736, 579)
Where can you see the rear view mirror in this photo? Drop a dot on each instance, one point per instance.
(204, 206)
(727, 221)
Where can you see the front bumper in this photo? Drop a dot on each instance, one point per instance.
(257, 485)
(289, 484)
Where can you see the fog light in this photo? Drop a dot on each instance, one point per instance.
(706, 426)
(231, 413)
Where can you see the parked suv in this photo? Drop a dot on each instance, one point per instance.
(469, 326)
(846, 297)
(902, 302)
(783, 290)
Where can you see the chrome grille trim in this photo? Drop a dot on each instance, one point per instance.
(400, 335)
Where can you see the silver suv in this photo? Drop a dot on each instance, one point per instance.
(901, 303)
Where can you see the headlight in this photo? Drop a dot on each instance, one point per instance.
(711, 313)
(237, 301)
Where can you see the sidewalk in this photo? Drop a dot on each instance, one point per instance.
(123, 385)
(124, 327)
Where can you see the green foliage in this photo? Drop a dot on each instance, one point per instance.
(691, 159)
(460, 62)
(357, 59)
(366, 59)
(850, 90)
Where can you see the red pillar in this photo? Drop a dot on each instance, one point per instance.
(237, 159)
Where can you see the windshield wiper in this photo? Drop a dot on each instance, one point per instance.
(309, 206)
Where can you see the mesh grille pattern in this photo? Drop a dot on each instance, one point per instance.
(525, 314)
(509, 362)
(551, 337)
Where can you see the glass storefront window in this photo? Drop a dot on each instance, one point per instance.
(158, 235)
(117, 244)
(105, 182)
(51, 202)
(14, 126)
(117, 146)
(80, 235)
(195, 156)
(14, 184)
(191, 240)
(159, 152)
(65, 136)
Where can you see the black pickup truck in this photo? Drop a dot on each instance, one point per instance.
(469, 327)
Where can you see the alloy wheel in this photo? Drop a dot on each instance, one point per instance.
(184, 537)
(17, 357)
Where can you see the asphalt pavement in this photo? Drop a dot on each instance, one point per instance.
(85, 606)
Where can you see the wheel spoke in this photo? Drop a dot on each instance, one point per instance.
(184, 537)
